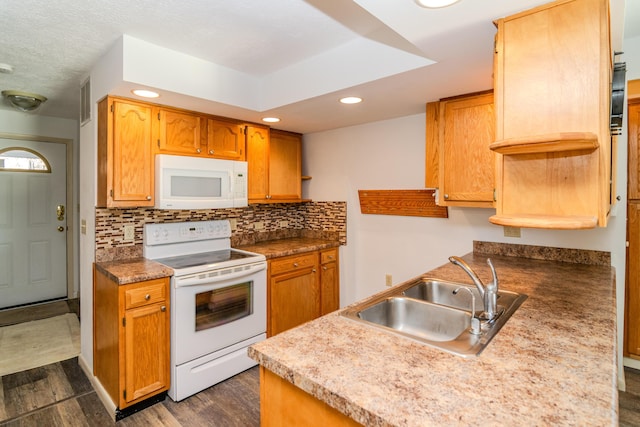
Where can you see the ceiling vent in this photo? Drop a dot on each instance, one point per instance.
(85, 102)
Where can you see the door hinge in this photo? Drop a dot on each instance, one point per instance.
(111, 192)
(494, 195)
(158, 143)
(124, 321)
(124, 394)
(158, 115)
(111, 108)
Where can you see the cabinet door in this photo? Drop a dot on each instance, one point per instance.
(634, 149)
(146, 352)
(467, 165)
(132, 161)
(179, 133)
(225, 139)
(285, 166)
(329, 281)
(294, 299)
(257, 139)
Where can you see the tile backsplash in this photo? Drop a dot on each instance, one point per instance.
(254, 223)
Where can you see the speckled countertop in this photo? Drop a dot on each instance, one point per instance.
(138, 269)
(133, 270)
(290, 246)
(553, 362)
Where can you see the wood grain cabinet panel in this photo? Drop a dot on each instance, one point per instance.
(131, 338)
(466, 164)
(294, 293)
(329, 281)
(125, 159)
(179, 132)
(225, 139)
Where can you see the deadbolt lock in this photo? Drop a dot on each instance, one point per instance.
(60, 212)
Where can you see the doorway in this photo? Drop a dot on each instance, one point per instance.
(33, 222)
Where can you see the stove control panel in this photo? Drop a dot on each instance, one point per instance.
(177, 232)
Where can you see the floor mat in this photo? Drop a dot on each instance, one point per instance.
(41, 342)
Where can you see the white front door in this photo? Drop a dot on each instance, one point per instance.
(33, 222)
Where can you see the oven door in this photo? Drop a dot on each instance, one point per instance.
(207, 317)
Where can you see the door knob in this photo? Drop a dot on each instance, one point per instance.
(60, 228)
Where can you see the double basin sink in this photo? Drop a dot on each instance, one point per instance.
(427, 310)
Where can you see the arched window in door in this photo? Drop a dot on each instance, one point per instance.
(22, 159)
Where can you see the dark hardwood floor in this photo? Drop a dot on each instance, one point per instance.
(61, 395)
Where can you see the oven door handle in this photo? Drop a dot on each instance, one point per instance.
(204, 278)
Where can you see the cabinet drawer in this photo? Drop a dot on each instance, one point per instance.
(282, 265)
(150, 293)
(329, 255)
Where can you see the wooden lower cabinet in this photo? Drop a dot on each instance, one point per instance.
(283, 404)
(301, 288)
(632, 299)
(329, 281)
(131, 338)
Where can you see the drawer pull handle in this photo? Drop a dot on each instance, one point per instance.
(163, 308)
(147, 297)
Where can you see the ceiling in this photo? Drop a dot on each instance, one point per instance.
(395, 55)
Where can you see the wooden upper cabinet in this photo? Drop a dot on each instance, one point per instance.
(125, 159)
(285, 166)
(225, 139)
(634, 149)
(179, 132)
(553, 68)
(466, 164)
(257, 140)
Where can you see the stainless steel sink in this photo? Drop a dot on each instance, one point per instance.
(441, 292)
(415, 318)
(427, 311)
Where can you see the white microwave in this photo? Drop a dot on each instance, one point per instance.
(184, 182)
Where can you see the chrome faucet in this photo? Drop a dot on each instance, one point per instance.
(488, 292)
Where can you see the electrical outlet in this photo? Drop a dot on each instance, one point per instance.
(233, 223)
(388, 280)
(258, 225)
(511, 231)
(129, 232)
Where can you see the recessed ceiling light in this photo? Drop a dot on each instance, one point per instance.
(434, 4)
(270, 119)
(351, 100)
(145, 93)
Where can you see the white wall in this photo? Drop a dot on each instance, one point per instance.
(30, 124)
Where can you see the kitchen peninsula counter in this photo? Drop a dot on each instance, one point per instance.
(552, 363)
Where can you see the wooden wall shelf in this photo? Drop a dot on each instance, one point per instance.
(401, 203)
(549, 143)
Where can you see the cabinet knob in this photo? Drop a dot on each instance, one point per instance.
(210, 151)
(446, 197)
(148, 197)
(198, 150)
(147, 297)
(314, 270)
(163, 308)
(324, 268)
(295, 264)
